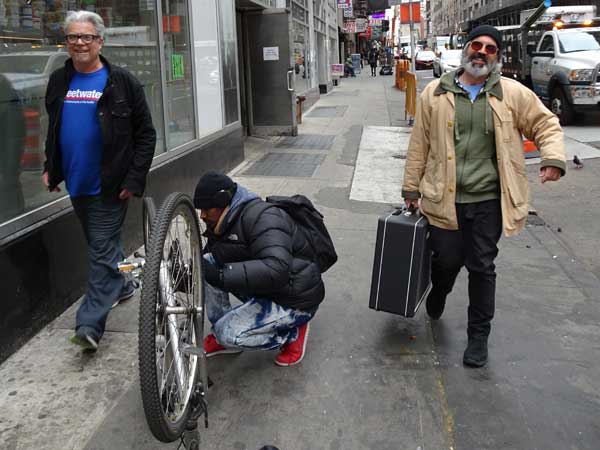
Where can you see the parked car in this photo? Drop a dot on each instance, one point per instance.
(448, 61)
(424, 59)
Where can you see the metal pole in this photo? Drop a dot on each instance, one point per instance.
(524, 30)
(412, 36)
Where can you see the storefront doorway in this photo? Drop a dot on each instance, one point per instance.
(267, 74)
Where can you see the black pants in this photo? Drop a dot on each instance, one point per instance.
(473, 245)
(373, 69)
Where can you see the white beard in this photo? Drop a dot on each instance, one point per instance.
(477, 70)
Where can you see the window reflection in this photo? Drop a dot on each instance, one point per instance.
(178, 64)
(31, 48)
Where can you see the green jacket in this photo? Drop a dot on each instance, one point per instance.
(477, 176)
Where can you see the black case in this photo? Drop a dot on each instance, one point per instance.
(402, 266)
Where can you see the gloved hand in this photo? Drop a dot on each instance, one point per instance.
(212, 274)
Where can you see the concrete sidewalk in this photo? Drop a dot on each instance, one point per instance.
(370, 380)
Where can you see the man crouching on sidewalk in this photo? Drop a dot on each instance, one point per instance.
(256, 252)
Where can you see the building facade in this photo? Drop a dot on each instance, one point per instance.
(452, 16)
(199, 70)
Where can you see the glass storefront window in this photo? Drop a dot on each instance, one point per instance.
(31, 48)
(178, 66)
(229, 59)
(208, 70)
(300, 52)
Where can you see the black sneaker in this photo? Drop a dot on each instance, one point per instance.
(476, 354)
(435, 305)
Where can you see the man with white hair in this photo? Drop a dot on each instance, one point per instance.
(100, 142)
(465, 169)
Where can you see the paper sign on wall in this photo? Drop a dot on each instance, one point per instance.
(337, 70)
(271, 53)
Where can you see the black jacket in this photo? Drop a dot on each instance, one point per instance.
(264, 254)
(127, 131)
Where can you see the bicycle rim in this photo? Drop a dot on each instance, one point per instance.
(171, 279)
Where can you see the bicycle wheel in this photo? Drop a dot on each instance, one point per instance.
(171, 319)
(148, 215)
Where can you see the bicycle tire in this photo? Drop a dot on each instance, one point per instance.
(167, 421)
(148, 215)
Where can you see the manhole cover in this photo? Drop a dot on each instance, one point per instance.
(328, 111)
(285, 165)
(307, 141)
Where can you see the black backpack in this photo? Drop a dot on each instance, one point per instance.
(310, 221)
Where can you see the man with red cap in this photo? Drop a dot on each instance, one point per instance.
(256, 252)
(465, 169)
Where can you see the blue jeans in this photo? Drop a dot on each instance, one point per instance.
(257, 323)
(101, 221)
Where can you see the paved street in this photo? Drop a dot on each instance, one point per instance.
(370, 380)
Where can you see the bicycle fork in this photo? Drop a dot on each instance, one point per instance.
(169, 299)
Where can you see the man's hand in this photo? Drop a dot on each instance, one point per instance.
(412, 203)
(549, 173)
(47, 183)
(125, 194)
(212, 274)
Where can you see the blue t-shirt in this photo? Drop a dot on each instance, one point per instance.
(473, 90)
(80, 134)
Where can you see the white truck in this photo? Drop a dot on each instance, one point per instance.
(565, 71)
(556, 52)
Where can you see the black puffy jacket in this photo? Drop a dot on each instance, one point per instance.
(127, 131)
(264, 254)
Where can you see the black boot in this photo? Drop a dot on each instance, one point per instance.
(476, 354)
(435, 305)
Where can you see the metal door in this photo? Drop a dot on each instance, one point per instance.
(269, 73)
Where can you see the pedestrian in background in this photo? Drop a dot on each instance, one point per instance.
(100, 142)
(466, 163)
(373, 57)
(349, 67)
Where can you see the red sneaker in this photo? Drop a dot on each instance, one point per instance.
(293, 352)
(212, 347)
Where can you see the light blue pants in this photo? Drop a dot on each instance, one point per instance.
(257, 323)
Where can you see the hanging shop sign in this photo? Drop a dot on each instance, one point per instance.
(344, 4)
(349, 12)
(361, 25)
(405, 12)
(349, 26)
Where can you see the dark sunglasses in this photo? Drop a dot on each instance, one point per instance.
(488, 48)
(85, 38)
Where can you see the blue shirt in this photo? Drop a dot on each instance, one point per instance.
(472, 89)
(80, 133)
